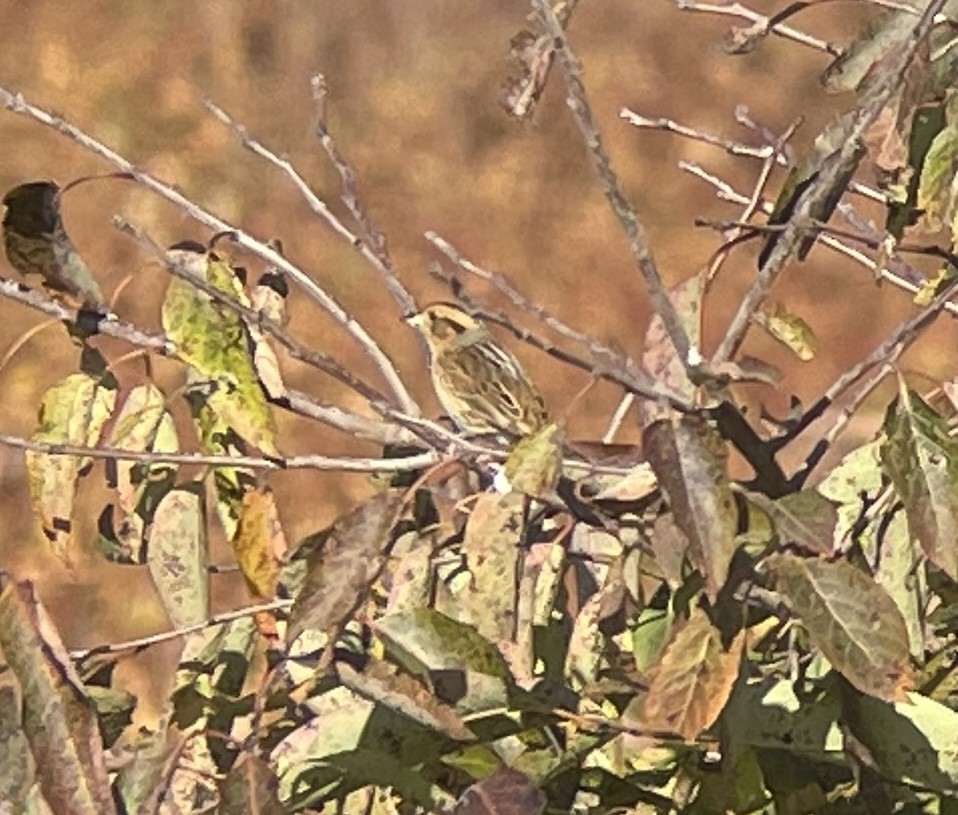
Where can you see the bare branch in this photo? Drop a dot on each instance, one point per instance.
(15, 103)
(306, 462)
(833, 169)
(154, 639)
(638, 244)
(745, 13)
(376, 241)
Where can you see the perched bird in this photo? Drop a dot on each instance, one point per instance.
(479, 383)
(36, 242)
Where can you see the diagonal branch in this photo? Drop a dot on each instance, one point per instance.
(833, 172)
(638, 244)
(15, 103)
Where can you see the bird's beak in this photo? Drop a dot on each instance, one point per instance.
(414, 320)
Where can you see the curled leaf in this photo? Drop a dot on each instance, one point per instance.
(36, 242)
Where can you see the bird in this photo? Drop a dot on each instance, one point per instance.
(479, 383)
(36, 242)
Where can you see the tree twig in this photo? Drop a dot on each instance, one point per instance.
(829, 177)
(635, 234)
(16, 103)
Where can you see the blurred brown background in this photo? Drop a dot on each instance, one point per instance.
(413, 89)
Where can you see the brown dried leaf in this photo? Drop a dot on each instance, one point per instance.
(852, 619)
(505, 792)
(688, 458)
(491, 547)
(693, 681)
(659, 359)
(383, 684)
(340, 571)
(58, 717)
(260, 545)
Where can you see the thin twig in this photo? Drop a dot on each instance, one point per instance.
(899, 274)
(310, 462)
(165, 636)
(621, 411)
(16, 103)
(375, 240)
(745, 13)
(833, 169)
(634, 232)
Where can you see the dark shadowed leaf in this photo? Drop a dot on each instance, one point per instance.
(505, 792)
(688, 458)
(58, 717)
(72, 412)
(381, 683)
(340, 571)
(250, 786)
(692, 683)
(491, 547)
(823, 165)
(36, 242)
(214, 341)
(178, 557)
(922, 461)
(851, 619)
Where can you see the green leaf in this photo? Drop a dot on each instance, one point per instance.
(922, 461)
(178, 558)
(851, 619)
(912, 741)
(937, 191)
(142, 424)
(790, 330)
(214, 341)
(59, 719)
(72, 412)
(688, 458)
